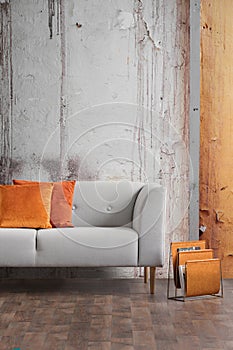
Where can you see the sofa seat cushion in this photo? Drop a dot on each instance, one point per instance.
(17, 247)
(87, 246)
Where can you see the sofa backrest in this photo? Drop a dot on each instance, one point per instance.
(104, 203)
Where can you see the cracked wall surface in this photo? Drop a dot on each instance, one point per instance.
(216, 195)
(6, 88)
(100, 90)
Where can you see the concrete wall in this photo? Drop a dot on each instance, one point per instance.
(98, 90)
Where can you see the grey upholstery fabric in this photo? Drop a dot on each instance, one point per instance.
(17, 247)
(149, 222)
(104, 203)
(87, 246)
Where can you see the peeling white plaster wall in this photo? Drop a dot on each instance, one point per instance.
(106, 97)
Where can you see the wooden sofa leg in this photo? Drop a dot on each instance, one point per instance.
(152, 279)
(145, 274)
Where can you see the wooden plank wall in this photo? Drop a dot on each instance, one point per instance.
(216, 146)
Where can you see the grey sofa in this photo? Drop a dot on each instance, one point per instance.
(115, 224)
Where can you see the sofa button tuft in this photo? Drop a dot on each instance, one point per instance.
(74, 207)
(109, 208)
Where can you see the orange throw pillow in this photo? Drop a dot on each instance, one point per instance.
(25, 206)
(61, 203)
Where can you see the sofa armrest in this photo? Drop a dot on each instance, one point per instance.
(149, 222)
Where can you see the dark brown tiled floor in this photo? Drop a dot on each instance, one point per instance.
(102, 314)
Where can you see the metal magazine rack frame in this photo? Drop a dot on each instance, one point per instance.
(180, 294)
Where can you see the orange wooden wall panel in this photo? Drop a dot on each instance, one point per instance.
(216, 145)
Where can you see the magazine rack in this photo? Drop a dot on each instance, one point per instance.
(196, 272)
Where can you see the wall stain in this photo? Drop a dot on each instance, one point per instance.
(52, 166)
(56, 8)
(14, 168)
(78, 171)
(6, 97)
(182, 43)
(73, 167)
(53, 11)
(63, 102)
(146, 49)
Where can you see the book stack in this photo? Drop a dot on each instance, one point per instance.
(196, 271)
